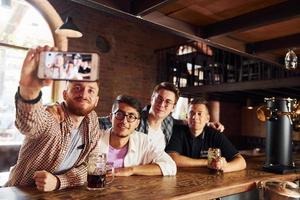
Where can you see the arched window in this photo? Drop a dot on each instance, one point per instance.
(21, 27)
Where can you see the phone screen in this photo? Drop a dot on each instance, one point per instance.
(68, 66)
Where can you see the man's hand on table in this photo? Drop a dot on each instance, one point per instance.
(45, 181)
(218, 164)
(126, 171)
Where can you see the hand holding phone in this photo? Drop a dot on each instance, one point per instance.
(69, 66)
(29, 83)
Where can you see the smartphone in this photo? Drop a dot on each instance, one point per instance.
(69, 66)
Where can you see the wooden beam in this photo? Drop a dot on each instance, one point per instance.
(225, 97)
(254, 93)
(164, 20)
(143, 7)
(116, 4)
(283, 93)
(242, 86)
(276, 13)
(273, 44)
(165, 28)
(296, 90)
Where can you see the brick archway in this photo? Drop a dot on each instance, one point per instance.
(53, 19)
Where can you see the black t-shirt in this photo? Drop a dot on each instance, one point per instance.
(185, 144)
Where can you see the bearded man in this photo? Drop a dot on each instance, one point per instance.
(53, 153)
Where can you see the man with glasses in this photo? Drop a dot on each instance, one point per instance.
(156, 119)
(130, 151)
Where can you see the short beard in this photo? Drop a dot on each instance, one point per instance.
(79, 112)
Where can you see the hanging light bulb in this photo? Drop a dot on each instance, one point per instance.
(290, 60)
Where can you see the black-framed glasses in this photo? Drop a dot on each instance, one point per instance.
(130, 117)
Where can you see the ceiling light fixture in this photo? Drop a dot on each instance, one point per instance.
(69, 29)
(249, 104)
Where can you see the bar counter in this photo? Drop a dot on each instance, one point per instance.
(189, 183)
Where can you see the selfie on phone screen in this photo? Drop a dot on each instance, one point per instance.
(68, 66)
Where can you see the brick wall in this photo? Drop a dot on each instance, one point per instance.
(128, 68)
(130, 65)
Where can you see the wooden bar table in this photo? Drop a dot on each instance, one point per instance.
(189, 183)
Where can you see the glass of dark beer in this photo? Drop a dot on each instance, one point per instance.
(97, 171)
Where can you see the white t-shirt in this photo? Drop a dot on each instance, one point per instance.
(142, 152)
(157, 138)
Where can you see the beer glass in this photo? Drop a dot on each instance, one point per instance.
(213, 156)
(99, 172)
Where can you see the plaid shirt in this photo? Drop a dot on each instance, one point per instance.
(46, 143)
(167, 124)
